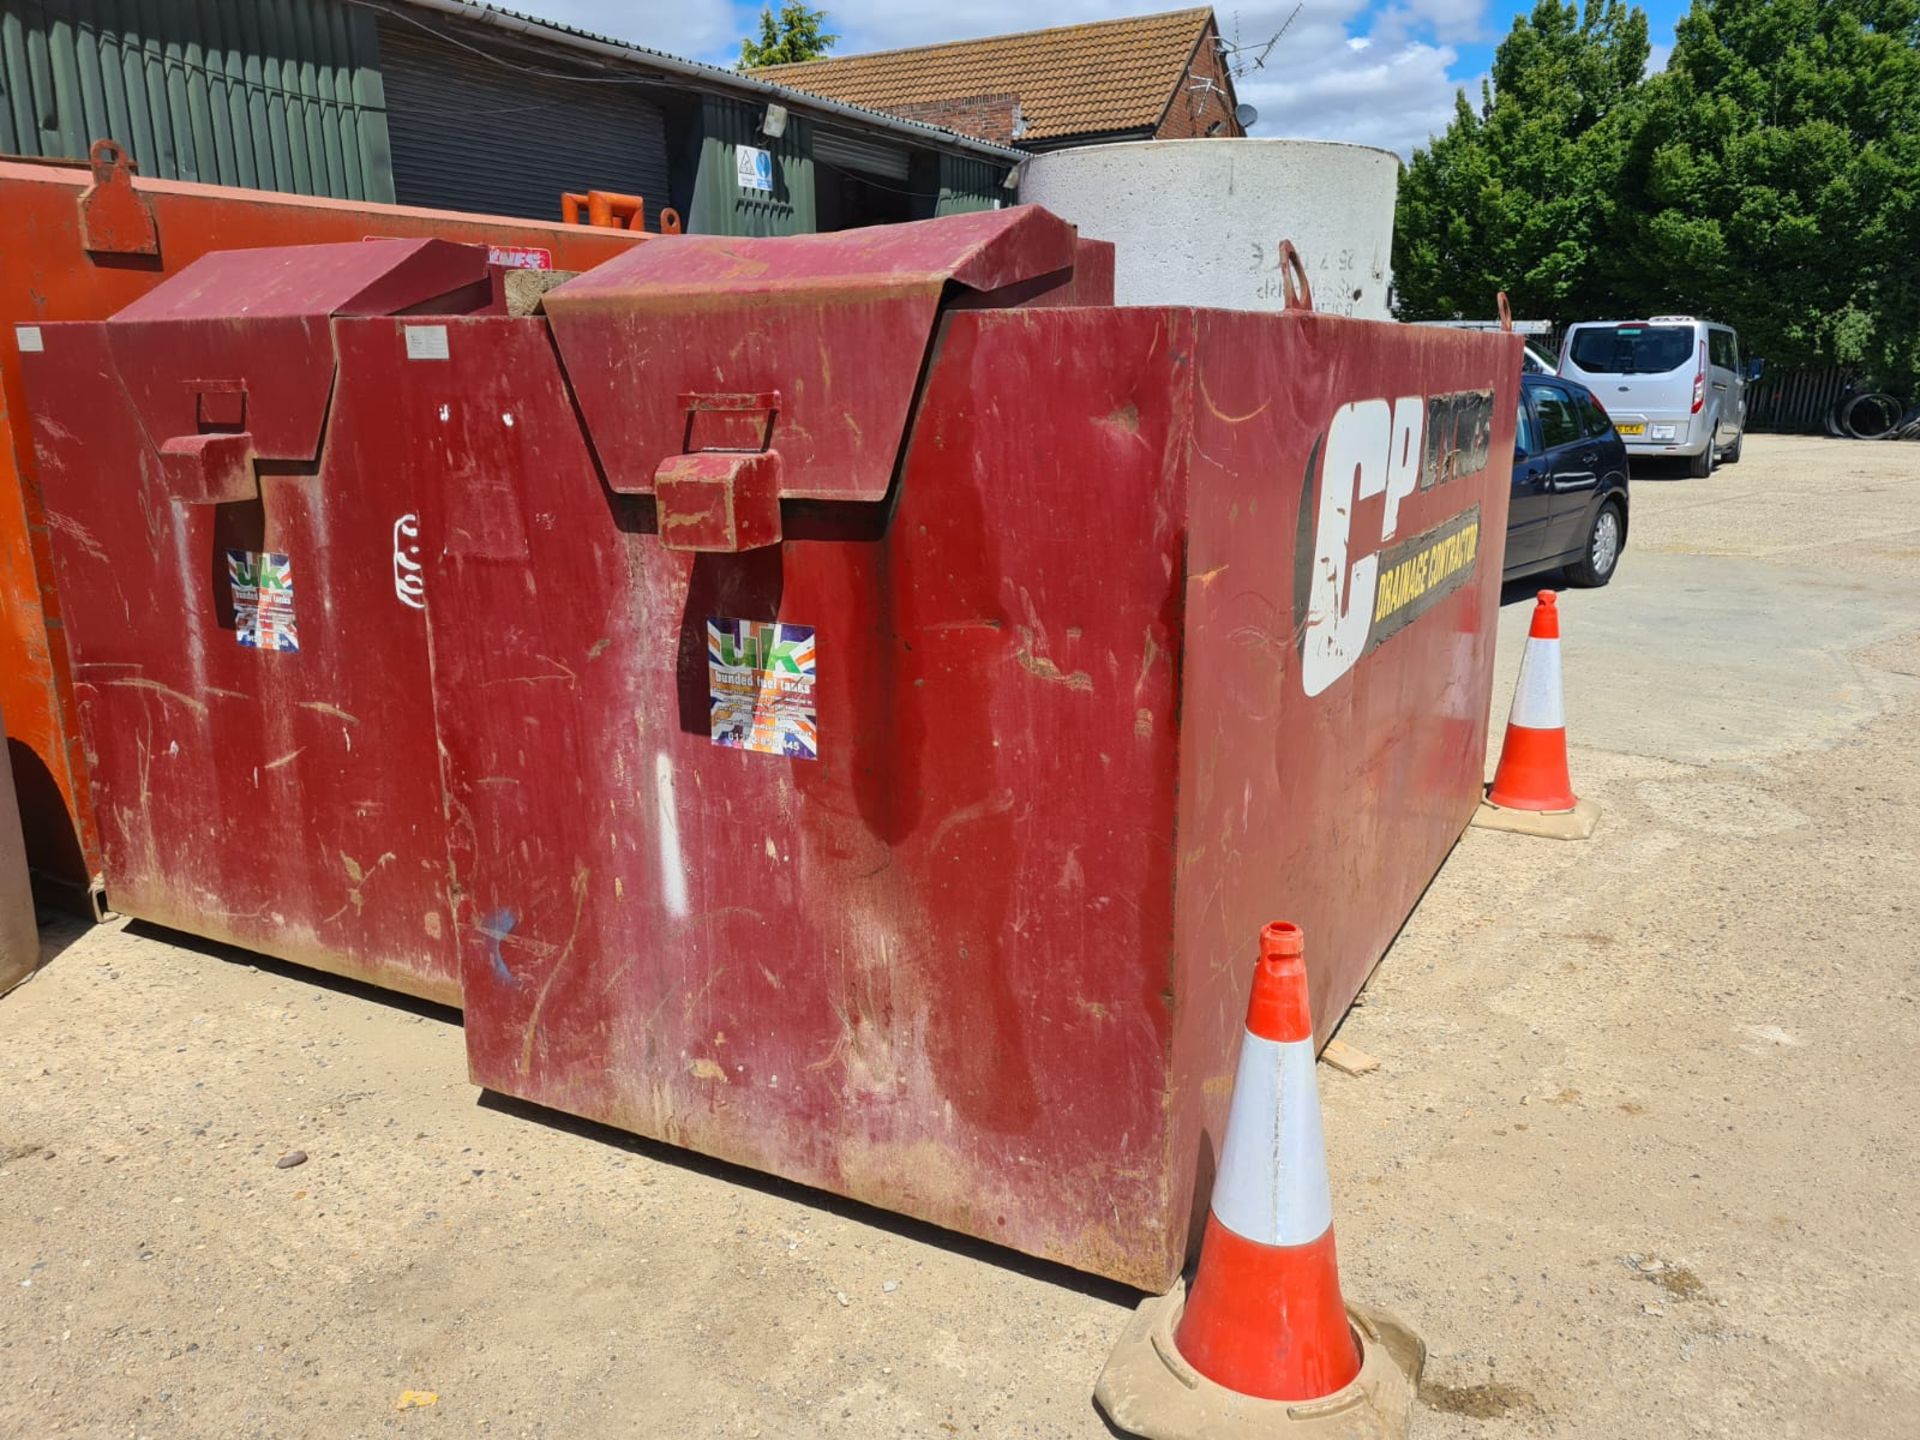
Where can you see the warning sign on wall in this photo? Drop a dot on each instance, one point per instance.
(761, 678)
(753, 168)
(262, 587)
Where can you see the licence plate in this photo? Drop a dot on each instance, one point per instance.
(1631, 429)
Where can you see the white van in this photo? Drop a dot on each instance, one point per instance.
(1673, 385)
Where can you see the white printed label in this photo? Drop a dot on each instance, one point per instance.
(409, 581)
(426, 342)
(520, 257)
(29, 338)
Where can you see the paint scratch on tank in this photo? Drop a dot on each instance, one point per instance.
(580, 878)
(559, 672)
(1150, 651)
(1220, 414)
(286, 759)
(323, 708)
(979, 810)
(199, 707)
(78, 533)
(1072, 877)
(1043, 668)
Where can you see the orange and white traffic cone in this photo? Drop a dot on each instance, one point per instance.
(1263, 1342)
(1264, 1316)
(1532, 791)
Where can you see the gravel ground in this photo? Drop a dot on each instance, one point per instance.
(1639, 1160)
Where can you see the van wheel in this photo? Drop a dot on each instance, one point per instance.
(1605, 538)
(1700, 466)
(1732, 457)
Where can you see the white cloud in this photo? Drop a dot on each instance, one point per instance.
(1342, 73)
(1349, 70)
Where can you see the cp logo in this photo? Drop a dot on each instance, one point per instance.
(1370, 448)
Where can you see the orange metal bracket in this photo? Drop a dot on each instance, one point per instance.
(610, 211)
(114, 219)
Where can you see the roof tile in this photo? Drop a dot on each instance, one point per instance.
(1089, 79)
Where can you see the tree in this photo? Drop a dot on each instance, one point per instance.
(1774, 181)
(1769, 177)
(794, 35)
(1517, 194)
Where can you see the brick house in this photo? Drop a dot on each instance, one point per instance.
(1152, 77)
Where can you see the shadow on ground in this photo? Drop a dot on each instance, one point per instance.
(918, 1231)
(288, 970)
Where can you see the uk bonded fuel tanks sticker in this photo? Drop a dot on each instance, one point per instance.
(262, 587)
(760, 676)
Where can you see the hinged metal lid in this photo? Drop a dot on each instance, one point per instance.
(246, 332)
(837, 325)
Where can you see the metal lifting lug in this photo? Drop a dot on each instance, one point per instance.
(723, 494)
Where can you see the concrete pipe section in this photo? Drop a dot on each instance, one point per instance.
(1199, 222)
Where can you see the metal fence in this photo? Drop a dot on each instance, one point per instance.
(1797, 401)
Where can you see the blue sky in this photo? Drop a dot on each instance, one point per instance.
(1377, 72)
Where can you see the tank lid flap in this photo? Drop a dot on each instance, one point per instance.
(834, 329)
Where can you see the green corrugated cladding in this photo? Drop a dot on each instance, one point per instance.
(970, 182)
(720, 206)
(268, 94)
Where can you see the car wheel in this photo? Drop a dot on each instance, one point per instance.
(1700, 466)
(1606, 537)
(1732, 457)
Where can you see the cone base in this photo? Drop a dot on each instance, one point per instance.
(1575, 824)
(1267, 1320)
(1148, 1389)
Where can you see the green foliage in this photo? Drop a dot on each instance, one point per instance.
(1769, 177)
(1775, 177)
(793, 35)
(1515, 195)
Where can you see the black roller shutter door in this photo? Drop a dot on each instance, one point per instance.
(469, 133)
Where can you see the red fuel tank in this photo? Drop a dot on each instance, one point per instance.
(248, 646)
(872, 738)
(80, 244)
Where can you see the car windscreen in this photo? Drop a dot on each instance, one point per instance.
(1632, 349)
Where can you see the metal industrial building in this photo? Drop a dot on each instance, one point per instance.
(463, 106)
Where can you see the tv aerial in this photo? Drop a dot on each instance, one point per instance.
(1245, 59)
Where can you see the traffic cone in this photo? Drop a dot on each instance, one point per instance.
(1262, 1343)
(1532, 791)
(1264, 1316)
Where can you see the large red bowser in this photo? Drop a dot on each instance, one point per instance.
(881, 698)
(79, 244)
(239, 580)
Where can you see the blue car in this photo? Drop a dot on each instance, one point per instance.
(1569, 506)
